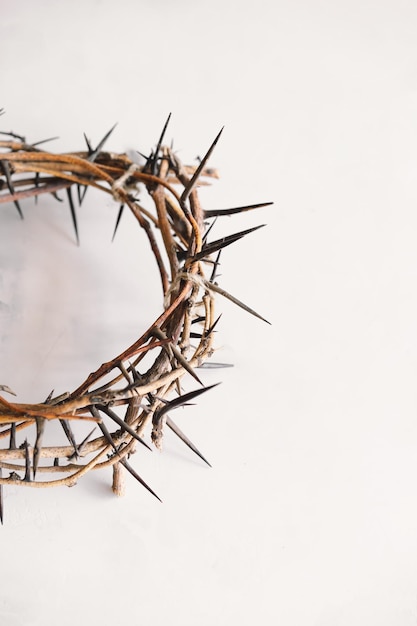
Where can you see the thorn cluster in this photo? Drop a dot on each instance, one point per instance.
(122, 392)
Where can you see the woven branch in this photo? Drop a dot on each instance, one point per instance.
(179, 340)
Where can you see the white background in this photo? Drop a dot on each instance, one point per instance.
(309, 514)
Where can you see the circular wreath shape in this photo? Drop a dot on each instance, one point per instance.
(125, 391)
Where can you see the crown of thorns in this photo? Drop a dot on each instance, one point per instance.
(122, 391)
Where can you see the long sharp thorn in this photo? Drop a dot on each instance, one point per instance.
(215, 267)
(38, 143)
(207, 232)
(239, 303)
(144, 156)
(138, 478)
(104, 430)
(219, 244)
(240, 209)
(177, 354)
(179, 401)
(37, 177)
(40, 427)
(207, 333)
(198, 319)
(7, 389)
(81, 191)
(125, 464)
(185, 439)
(12, 442)
(49, 398)
(158, 146)
(119, 217)
(89, 146)
(199, 169)
(213, 326)
(185, 364)
(85, 441)
(182, 254)
(73, 213)
(27, 462)
(70, 436)
(157, 419)
(94, 153)
(6, 170)
(82, 445)
(209, 365)
(123, 425)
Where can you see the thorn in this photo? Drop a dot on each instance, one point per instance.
(104, 430)
(206, 234)
(6, 170)
(89, 146)
(213, 326)
(158, 146)
(225, 294)
(185, 364)
(179, 401)
(240, 209)
(119, 217)
(209, 330)
(124, 426)
(94, 153)
(209, 365)
(27, 462)
(199, 169)
(219, 244)
(147, 158)
(70, 436)
(81, 191)
(73, 214)
(49, 398)
(7, 389)
(79, 448)
(54, 194)
(85, 440)
(215, 268)
(125, 464)
(138, 478)
(37, 178)
(58, 399)
(12, 442)
(177, 354)
(185, 439)
(38, 143)
(198, 319)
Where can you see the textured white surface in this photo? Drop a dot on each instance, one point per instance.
(309, 514)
